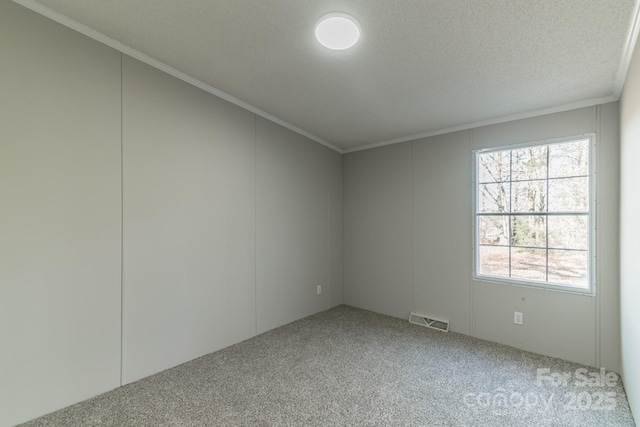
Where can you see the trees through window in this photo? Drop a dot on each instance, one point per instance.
(533, 213)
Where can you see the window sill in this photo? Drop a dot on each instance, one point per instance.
(536, 285)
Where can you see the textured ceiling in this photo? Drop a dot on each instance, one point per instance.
(421, 65)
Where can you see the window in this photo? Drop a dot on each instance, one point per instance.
(533, 214)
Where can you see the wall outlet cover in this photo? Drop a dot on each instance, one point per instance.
(518, 318)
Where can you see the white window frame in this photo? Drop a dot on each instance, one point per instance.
(591, 250)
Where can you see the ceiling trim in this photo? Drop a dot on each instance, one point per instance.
(627, 53)
(104, 39)
(558, 109)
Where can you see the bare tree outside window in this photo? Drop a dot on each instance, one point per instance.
(533, 213)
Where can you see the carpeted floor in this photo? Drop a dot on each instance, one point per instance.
(352, 367)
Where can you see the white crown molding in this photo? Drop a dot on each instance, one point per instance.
(102, 38)
(558, 109)
(627, 52)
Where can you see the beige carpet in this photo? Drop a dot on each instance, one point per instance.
(348, 366)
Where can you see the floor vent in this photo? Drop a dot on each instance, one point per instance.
(429, 322)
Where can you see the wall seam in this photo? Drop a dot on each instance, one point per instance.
(343, 286)
(413, 228)
(328, 181)
(472, 322)
(618, 231)
(255, 222)
(122, 301)
(598, 302)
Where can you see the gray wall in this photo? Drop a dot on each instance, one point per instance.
(297, 226)
(139, 211)
(408, 241)
(60, 216)
(630, 233)
(189, 222)
(377, 240)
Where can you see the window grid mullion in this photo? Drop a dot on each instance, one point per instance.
(546, 222)
(542, 213)
(535, 179)
(534, 247)
(510, 207)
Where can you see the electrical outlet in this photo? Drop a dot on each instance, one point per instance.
(319, 289)
(518, 318)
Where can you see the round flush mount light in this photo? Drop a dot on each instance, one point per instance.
(337, 31)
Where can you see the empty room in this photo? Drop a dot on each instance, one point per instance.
(319, 213)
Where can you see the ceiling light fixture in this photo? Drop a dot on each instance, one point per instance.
(337, 31)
